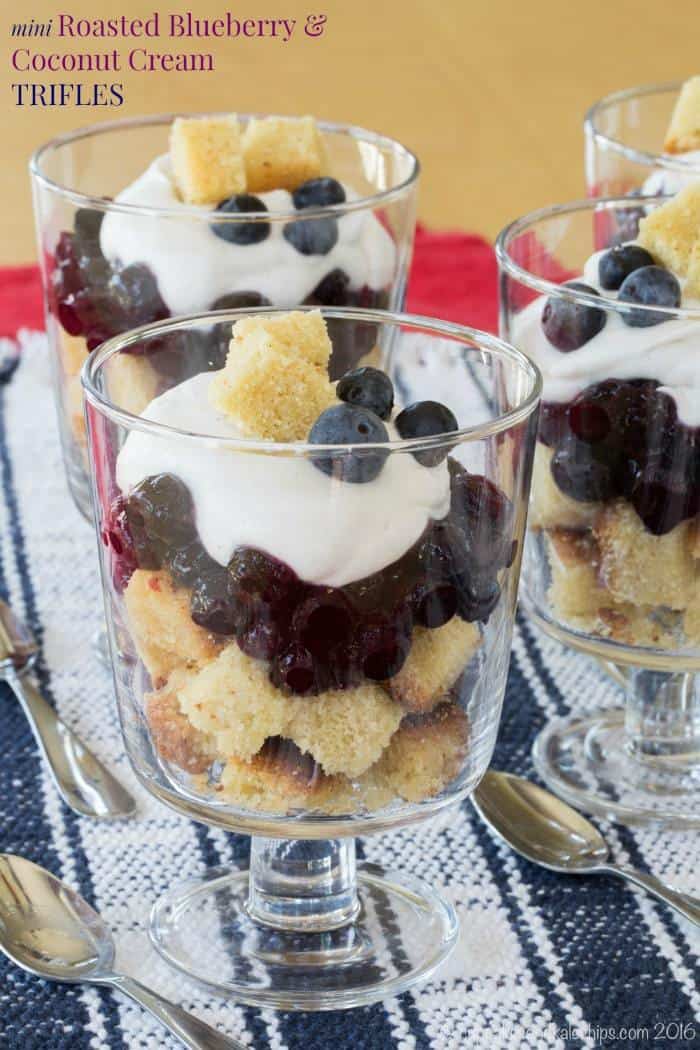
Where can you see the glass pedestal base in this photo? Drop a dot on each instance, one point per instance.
(401, 934)
(589, 763)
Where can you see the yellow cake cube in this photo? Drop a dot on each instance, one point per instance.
(683, 132)
(207, 159)
(164, 633)
(275, 382)
(436, 660)
(671, 233)
(282, 153)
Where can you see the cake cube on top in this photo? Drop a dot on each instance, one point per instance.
(683, 132)
(275, 382)
(671, 233)
(282, 153)
(207, 158)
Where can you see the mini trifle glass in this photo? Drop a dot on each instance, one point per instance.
(137, 223)
(612, 562)
(314, 624)
(640, 142)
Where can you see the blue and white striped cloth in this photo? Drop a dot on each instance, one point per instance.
(543, 960)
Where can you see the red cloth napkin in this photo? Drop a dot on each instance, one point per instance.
(453, 277)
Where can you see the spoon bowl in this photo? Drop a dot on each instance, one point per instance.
(538, 825)
(547, 831)
(48, 930)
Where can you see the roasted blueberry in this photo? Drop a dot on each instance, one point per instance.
(569, 325)
(485, 516)
(425, 419)
(87, 224)
(434, 602)
(312, 236)
(260, 635)
(323, 621)
(260, 576)
(442, 553)
(662, 497)
(252, 232)
(240, 301)
(619, 262)
(166, 506)
(649, 286)
(345, 424)
(477, 598)
(190, 563)
(384, 647)
(213, 605)
(294, 671)
(135, 299)
(582, 474)
(318, 193)
(331, 290)
(369, 388)
(342, 667)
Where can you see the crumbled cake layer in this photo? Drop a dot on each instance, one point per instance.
(176, 739)
(683, 133)
(165, 636)
(579, 597)
(425, 754)
(672, 234)
(207, 158)
(233, 700)
(436, 660)
(641, 568)
(282, 153)
(275, 383)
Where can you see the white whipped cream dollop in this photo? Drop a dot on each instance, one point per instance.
(668, 353)
(667, 180)
(330, 532)
(194, 267)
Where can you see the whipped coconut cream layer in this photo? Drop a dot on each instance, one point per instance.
(194, 267)
(668, 353)
(330, 532)
(665, 180)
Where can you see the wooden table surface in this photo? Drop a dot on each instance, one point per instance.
(489, 93)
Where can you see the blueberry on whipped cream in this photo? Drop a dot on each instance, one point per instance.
(242, 232)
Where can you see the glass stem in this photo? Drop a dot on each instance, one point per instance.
(663, 718)
(303, 885)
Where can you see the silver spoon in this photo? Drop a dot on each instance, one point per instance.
(547, 831)
(83, 782)
(50, 931)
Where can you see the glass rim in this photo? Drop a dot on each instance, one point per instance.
(531, 219)
(478, 340)
(671, 162)
(195, 212)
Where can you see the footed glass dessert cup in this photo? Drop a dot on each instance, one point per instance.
(612, 558)
(624, 147)
(120, 246)
(310, 639)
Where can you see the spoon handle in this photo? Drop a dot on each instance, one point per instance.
(194, 1033)
(83, 782)
(683, 903)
